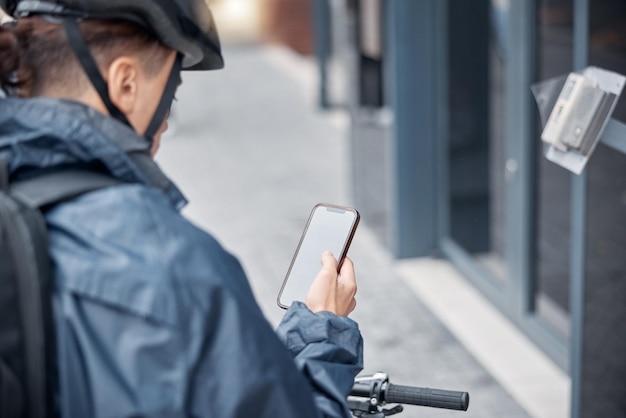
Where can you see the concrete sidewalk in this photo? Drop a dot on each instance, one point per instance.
(253, 154)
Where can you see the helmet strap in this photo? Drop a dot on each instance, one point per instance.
(81, 50)
(166, 99)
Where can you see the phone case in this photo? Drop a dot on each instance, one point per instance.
(328, 225)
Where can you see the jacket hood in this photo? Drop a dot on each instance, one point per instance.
(46, 134)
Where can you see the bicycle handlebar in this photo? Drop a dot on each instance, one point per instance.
(436, 398)
(379, 391)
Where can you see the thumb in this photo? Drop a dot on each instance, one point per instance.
(329, 261)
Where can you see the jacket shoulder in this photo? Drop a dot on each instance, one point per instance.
(127, 246)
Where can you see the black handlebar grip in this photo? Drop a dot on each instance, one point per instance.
(435, 398)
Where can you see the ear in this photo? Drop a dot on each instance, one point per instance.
(122, 79)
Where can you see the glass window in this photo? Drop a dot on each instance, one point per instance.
(604, 365)
(607, 40)
(477, 58)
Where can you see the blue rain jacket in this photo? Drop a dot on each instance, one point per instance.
(153, 317)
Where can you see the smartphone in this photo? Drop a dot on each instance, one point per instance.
(329, 228)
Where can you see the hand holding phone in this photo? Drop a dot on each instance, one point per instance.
(329, 228)
(331, 291)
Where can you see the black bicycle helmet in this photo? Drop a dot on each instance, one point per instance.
(186, 26)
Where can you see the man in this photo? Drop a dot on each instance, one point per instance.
(152, 316)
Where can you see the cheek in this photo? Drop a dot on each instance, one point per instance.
(148, 106)
(156, 141)
(163, 127)
(155, 145)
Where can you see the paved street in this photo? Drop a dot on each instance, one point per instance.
(253, 154)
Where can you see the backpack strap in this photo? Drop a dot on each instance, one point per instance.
(4, 175)
(10, 393)
(55, 187)
(40, 375)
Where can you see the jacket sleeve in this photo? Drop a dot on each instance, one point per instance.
(328, 350)
(245, 370)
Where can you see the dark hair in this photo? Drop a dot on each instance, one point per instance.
(35, 53)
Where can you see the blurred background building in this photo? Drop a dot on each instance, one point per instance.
(286, 22)
(446, 159)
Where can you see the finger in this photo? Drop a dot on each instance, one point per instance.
(347, 267)
(329, 261)
(346, 275)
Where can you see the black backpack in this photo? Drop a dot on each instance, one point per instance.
(27, 347)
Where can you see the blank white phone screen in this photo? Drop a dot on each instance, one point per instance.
(328, 229)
